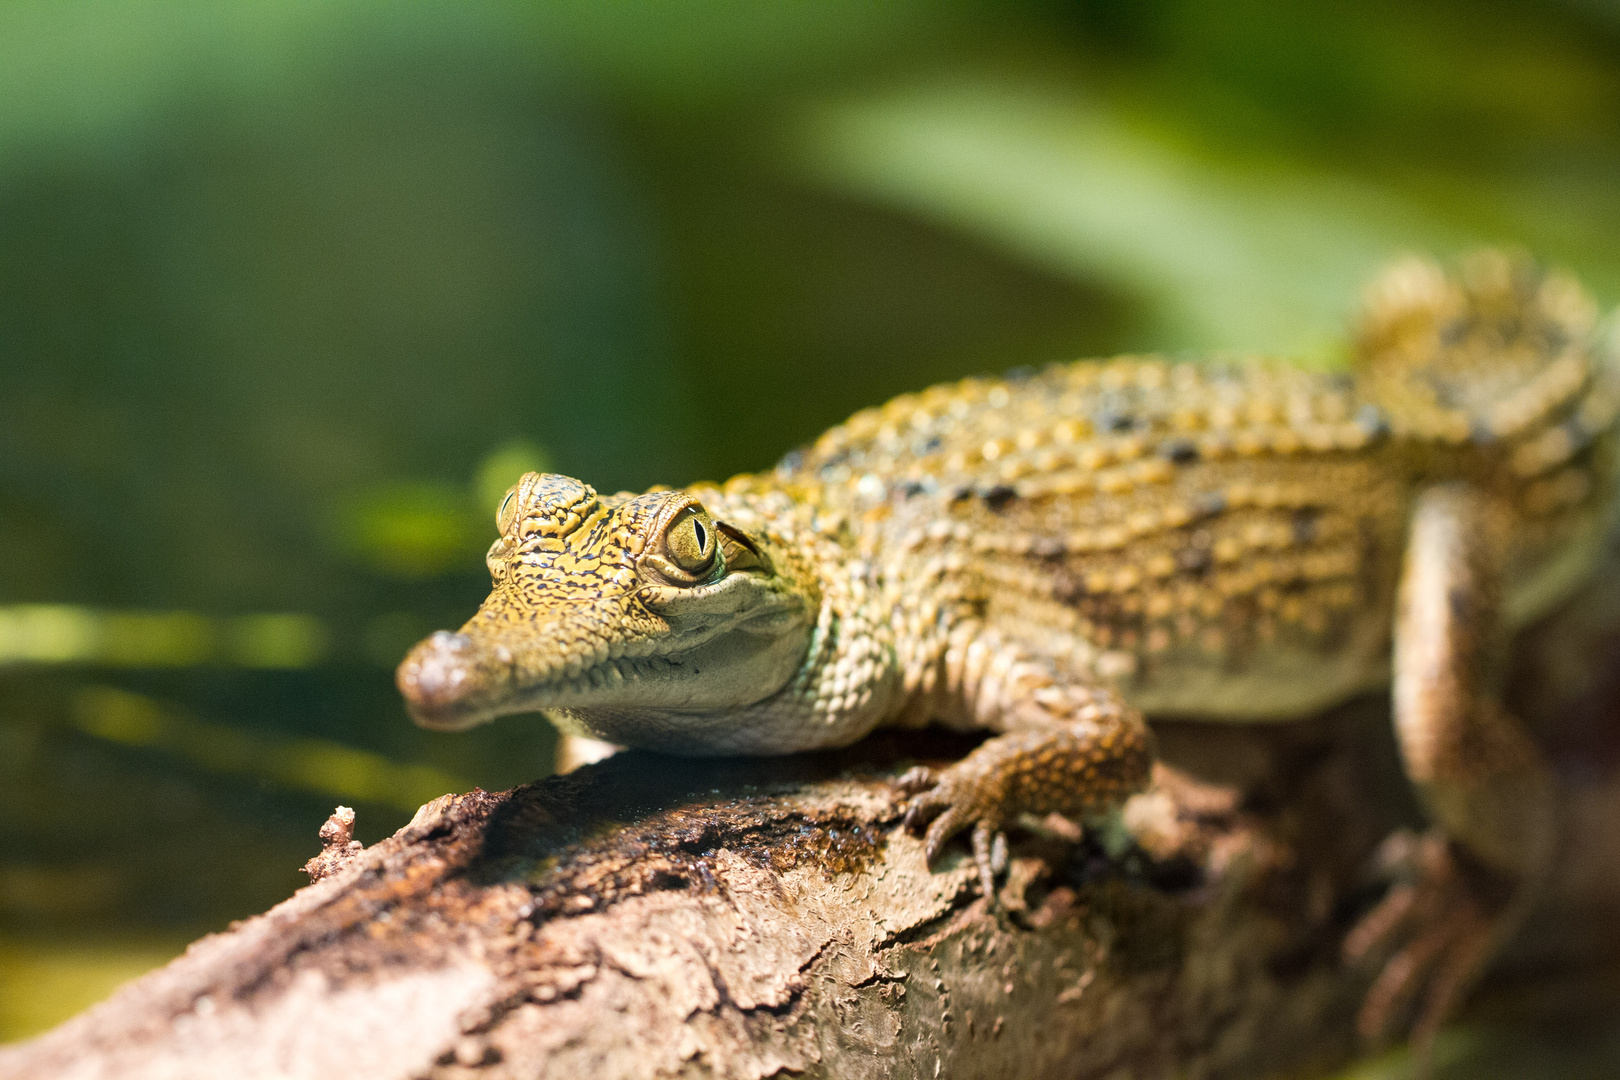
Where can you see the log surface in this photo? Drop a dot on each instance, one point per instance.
(653, 917)
(742, 919)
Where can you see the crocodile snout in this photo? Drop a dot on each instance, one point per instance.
(440, 680)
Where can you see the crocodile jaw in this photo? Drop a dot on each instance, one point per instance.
(457, 680)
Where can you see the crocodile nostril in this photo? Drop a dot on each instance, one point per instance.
(451, 642)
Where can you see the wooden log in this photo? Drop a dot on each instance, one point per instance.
(653, 917)
(742, 918)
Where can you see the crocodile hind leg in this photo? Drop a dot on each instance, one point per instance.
(1468, 883)
(1064, 746)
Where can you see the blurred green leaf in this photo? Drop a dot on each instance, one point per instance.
(413, 529)
(91, 73)
(44, 981)
(1265, 257)
(279, 641)
(305, 764)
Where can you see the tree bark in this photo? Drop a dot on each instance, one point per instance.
(652, 917)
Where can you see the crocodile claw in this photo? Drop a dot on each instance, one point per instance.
(948, 802)
(1437, 926)
(1078, 766)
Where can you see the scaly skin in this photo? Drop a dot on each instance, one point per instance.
(1051, 556)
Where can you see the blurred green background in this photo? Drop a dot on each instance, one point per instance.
(291, 291)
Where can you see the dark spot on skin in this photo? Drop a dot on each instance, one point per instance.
(1107, 420)
(1194, 560)
(1370, 418)
(908, 489)
(1067, 588)
(1304, 523)
(1180, 451)
(1195, 557)
(1448, 394)
(998, 495)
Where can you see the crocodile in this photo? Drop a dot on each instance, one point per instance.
(1054, 555)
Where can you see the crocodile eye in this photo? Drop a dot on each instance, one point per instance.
(508, 510)
(690, 543)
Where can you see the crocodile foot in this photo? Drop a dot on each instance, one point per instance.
(1437, 927)
(1076, 769)
(948, 801)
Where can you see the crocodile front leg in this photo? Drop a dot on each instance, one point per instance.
(1065, 746)
(1484, 782)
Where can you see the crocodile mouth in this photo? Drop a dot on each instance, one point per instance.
(455, 680)
(452, 681)
(691, 650)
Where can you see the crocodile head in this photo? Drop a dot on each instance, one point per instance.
(630, 603)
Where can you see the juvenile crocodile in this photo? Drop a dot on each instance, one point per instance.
(1052, 555)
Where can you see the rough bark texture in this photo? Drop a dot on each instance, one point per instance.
(650, 917)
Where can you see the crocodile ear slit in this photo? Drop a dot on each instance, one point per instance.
(740, 550)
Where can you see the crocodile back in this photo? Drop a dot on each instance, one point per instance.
(1224, 538)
